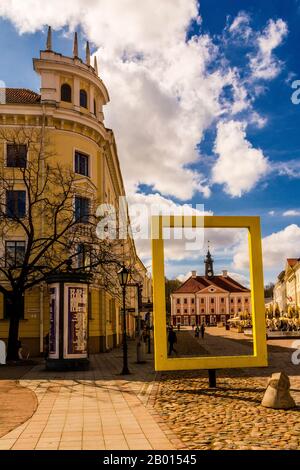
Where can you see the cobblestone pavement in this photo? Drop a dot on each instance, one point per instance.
(95, 409)
(231, 417)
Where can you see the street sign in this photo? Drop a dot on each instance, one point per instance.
(129, 310)
(147, 307)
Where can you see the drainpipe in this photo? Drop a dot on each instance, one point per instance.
(42, 230)
(41, 318)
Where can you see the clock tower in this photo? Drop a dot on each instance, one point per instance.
(209, 265)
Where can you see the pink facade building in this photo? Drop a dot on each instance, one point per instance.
(209, 299)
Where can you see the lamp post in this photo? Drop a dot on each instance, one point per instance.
(149, 330)
(123, 278)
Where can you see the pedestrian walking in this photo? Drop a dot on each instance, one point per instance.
(197, 331)
(172, 339)
(202, 329)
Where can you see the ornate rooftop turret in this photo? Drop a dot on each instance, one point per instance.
(49, 39)
(88, 54)
(70, 82)
(75, 45)
(96, 65)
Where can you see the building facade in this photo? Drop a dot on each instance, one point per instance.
(279, 294)
(286, 294)
(69, 109)
(209, 299)
(292, 282)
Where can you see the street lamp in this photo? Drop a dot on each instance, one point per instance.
(123, 279)
(149, 330)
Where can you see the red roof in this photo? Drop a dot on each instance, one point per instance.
(195, 284)
(21, 95)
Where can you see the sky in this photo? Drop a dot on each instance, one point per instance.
(201, 107)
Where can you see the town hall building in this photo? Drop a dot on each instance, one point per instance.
(209, 299)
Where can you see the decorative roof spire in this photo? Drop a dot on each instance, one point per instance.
(209, 264)
(49, 39)
(75, 45)
(88, 53)
(96, 64)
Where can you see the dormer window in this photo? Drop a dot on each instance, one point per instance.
(83, 99)
(66, 93)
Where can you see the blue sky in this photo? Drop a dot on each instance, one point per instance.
(278, 139)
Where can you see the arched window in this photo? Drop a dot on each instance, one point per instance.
(83, 98)
(95, 108)
(66, 93)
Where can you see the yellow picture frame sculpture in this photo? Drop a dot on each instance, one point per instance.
(259, 356)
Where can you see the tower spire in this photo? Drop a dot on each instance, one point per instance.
(75, 45)
(96, 64)
(88, 53)
(209, 263)
(49, 39)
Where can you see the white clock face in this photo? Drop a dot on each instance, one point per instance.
(210, 273)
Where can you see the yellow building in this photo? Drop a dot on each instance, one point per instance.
(69, 109)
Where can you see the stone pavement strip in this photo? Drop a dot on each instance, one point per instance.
(95, 409)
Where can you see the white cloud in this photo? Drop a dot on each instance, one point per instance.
(163, 98)
(289, 168)
(257, 120)
(240, 30)
(180, 256)
(142, 207)
(184, 277)
(264, 64)
(239, 166)
(291, 213)
(159, 110)
(271, 213)
(241, 278)
(239, 21)
(276, 247)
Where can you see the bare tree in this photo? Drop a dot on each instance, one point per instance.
(54, 235)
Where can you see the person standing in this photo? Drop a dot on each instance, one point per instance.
(202, 330)
(172, 338)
